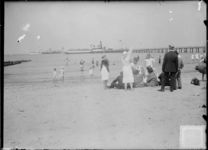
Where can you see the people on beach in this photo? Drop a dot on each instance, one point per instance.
(91, 72)
(118, 82)
(167, 81)
(97, 63)
(54, 75)
(148, 62)
(159, 60)
(151, 78)
(61, 76)
(93, 63)
(82, 68)
(104, 71)
(192, 57)
(127, 69)
(197, 56)
(169, 67)
(202, 58)
(134, 63)
(178, 74)
(139, 75)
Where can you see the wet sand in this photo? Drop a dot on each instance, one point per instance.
(83, 115)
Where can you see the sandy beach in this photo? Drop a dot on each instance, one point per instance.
(79, 114)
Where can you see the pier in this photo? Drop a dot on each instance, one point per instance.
(199, 49)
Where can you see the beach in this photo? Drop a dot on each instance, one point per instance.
(79, 114)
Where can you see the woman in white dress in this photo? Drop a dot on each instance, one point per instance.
(127, 69)
(105, 71)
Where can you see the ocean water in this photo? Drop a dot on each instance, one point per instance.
(40, 68)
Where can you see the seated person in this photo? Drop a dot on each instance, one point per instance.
(151, 78)
(134, 63)
(167, 82)
(120, 84)
(138, 78)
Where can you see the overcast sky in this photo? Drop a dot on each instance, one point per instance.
(80, 24)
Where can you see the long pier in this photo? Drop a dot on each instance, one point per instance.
(199, 49)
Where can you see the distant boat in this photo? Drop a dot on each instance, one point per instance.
(85, 51)
(32, 53)
(52, 52)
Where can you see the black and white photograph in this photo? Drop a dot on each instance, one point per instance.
(104, 75)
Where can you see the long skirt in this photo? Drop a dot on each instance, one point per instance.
(104, 73)
(127, 74)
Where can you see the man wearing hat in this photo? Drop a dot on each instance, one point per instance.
(169, 67)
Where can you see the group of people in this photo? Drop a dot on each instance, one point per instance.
(133, 76)
(171, 68)
(197, 57)
(92, 67)
(60, 77)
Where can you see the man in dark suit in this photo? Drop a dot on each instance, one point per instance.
(118, 82)
(169, 67)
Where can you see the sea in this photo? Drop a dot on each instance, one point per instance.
(40, 69)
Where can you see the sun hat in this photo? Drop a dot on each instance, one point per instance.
(124, 53)
(149, 69)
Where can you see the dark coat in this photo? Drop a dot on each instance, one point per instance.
(118, 83)
(105, 62)
(152, 80)
(167, 82)
(170, 62)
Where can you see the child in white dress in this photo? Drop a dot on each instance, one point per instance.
(91, 72)
(197, 56)
(192, 57)
(54, 75)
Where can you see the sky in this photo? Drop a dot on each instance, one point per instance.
(73, 25)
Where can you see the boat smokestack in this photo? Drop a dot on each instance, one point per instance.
(100, 44)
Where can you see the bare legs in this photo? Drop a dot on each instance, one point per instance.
(125, 86)
(105, 84)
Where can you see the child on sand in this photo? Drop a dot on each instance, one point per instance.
(159, 59)
(91, 72)
(192, 57)
(61, 76)
(197, 56)
(54, 75)
(82, 67)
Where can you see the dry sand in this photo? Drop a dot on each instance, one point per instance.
(83, 115)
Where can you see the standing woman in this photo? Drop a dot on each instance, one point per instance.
(104, 71)
(127, 69)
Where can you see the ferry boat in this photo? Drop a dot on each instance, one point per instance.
(52, 52)
(32, 53)
(95, 50)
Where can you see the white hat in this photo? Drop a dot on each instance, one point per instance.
(124, 53)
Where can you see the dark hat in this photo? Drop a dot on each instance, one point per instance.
(171, 47)
(149, 69)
